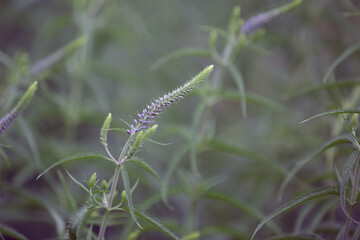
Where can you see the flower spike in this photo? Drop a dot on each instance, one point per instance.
(258, 21)
(160, 104)
(9, 118)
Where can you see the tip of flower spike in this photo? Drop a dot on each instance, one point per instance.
(26, 98)
(209, 68)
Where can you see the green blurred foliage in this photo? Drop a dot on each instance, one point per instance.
(112, 72)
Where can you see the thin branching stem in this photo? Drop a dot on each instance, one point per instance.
(113, 188)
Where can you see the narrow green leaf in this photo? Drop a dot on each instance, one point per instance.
(76, 221)
(66, 190)
(134, 186)
(237, 76)
(234, 202)
(174, 161)
(80, 156)
(321, 211)
(340, 59)
(29, 136)
(146, 166)
(156, 223)
(301, 217)
(104, 130)
(198, 114)
(346, 174)
(220, 31)
(118, 129)
(178, 54)
(159, 143)
(254, 99)
(228, 148)
(329, 144)
(337, 111)
(306, 197)
(289, 6)
(10, 232)
(127, 189)
(242, 206)
(3, 154)
(78, 183)
(311, 89)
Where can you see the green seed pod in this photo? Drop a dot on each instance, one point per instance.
(104, 185)
(134, 235)
(137, 144)
(149, 132)
(104, 130)
(92, 180)
(123, 196)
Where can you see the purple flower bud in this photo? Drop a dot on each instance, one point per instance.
(128, 131)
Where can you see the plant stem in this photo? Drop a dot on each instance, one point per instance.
(354, 188)
(113, 188)
(109, 203)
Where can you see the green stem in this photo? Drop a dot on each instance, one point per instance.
(113, 188)
(354, 188)
(192, 224)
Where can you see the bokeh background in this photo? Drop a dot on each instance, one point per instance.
(114, 72)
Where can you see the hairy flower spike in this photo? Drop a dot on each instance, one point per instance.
(256, 22)
(157, 106)
(6, 121)
(45, 63)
